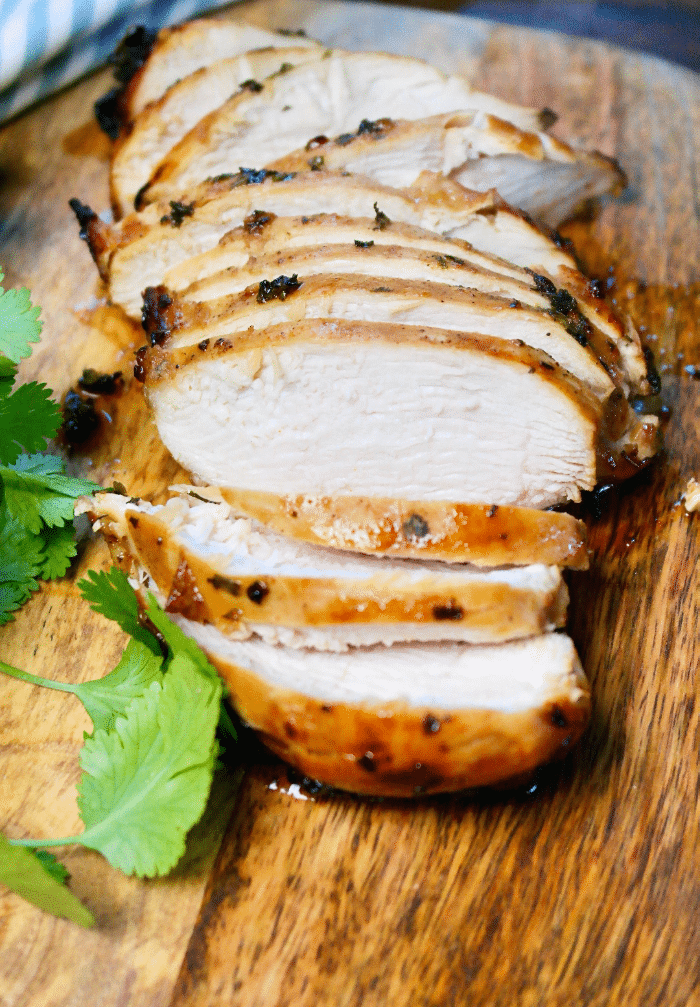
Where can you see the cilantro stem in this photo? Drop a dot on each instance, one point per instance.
(66, 841)
(7, 669)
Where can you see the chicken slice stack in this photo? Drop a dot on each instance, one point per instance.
(379, 379)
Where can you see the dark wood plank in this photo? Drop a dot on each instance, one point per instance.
(585, 891)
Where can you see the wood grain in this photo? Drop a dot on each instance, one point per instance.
(585, 890)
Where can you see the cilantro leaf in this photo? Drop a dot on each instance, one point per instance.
(19, 323)
(37, 489)
(177, 641)
(106, 698)
(54, 867)
(180, 643)
(25, 874)
(8, 372)
(12, 596)
(28, 419)
(59, 549)
(146, 783)
(21, 560)
(110, 594)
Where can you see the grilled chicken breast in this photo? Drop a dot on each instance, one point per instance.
(186, 242)
(264, 238)
(365, 298)
(479, 534)
(532, 171)
(183, 49)
(382, 260)
(163, 123)
(412, 719)
(371, 409)
(329, 96)
(208, 564)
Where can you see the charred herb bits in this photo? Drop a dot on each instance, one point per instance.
(178, 212)
(278, 289)
(83, 411)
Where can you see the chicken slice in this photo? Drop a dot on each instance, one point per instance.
(371, 299)
(411, 719)
(329, 96)
(479, 534)
(365, 257)
(138, 250)
(163, 123)
(369, 409)
(183, 49)
(212, 566)
(145, 247)
(533, 171)
(362, 256)
(263, 235)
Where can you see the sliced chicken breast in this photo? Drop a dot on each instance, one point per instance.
(479, 534)
(263, 235)
(208, 564)
(533, 171)
(141, 248)
(411, 719)
(163, 123)
(145, 247)
(365, 298)
(330, 96)
(183, 49)
(369, 409)
(363, 256)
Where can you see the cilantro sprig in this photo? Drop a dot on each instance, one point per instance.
(36, 495)
(39, 878)
(148, 765)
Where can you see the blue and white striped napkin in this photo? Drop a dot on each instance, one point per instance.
(45, 44)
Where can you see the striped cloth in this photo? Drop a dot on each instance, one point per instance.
(45, 44)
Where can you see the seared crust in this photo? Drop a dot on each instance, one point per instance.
(460, 309)
(395, 750)
(163, 122)
(160, 364)
(478, 610)
(460, 144)
(481, 534)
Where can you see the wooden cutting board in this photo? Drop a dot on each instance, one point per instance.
(583, 890)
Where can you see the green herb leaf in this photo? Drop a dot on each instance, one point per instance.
(57, 870)
(38, 490)
(146, 782)
(19, 323)
(8, 372)
(25, 874)
(178, 642)
(110, 594)
(28, 419)
(59, 549)
(21, 560)
(106, 698)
